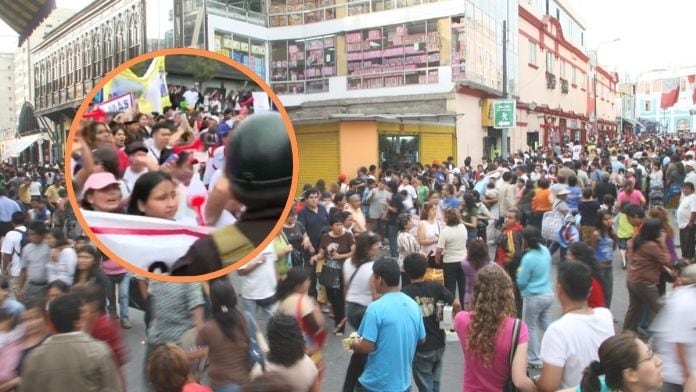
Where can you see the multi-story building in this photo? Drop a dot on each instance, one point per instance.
(23, 72)
(7, 108)
(678, 118)
(557, 98)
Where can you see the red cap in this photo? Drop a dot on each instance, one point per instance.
(342, 177)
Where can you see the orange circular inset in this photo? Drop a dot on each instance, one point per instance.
(191, 52)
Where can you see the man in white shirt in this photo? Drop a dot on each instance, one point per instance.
(675, 333)
(192, 96)
(411, 196)
(11, 250)
(686, 221)
(157, 146)
(577, 149)
(690, 167)
(137, 159)
(571, 342)
(259, 282)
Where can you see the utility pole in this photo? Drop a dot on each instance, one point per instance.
(505, 150)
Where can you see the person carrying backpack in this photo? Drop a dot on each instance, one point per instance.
(11, 248)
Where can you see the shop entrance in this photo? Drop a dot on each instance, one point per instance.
(398, 151)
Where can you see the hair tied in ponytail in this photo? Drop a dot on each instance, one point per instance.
(224, 310)
(597, 368)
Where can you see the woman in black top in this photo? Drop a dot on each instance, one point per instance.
(297, 237)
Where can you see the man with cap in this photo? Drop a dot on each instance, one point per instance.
(137, 163)
(258, 167)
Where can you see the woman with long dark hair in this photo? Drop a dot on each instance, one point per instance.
(604, 242)
(226, 336)
(88, 271)
(294, 300)
(154, 195)
(470, 216)
(477, 257)
(648, 254)
(485, 334)
(357, 273)
(625, 364)
(287, 357)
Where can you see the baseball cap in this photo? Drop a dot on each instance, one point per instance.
(563, 192)
(99, 181)
(223, 129)
(136, 146)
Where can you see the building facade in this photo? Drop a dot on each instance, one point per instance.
(678, 118)
(7, 108)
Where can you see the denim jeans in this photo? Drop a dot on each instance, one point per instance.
(606, 279)
(427, 367)
(536, 311)
(252, 306)
(122, 281)
(227, 388)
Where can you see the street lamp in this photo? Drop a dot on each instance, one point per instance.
(594, 75)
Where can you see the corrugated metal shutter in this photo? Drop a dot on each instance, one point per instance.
(318, 158)
(436, 147)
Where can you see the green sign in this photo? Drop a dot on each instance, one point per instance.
(504, 114)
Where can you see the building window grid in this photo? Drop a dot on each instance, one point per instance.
(393, 56)
(549, 62)
(303, 66)
(248, 51)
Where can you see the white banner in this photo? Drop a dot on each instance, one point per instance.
(144, 241)
(261, 102)
(117, 104)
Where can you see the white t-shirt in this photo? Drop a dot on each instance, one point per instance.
(410, 196)
(572, 341)
(453, 241)
(191, 98)
(687, 205)
(11, 245)
(577, 149)
(64, 268)
(35, 188)
(261, 282)
(676, 323)
(130, 177)
(360, 290)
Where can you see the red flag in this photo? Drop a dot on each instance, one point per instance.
(692, 87)
(670, 92)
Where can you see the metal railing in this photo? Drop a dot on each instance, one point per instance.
(222, 9)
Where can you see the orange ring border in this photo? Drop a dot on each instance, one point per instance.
(192, 52)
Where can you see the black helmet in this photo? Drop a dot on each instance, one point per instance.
(259, 161)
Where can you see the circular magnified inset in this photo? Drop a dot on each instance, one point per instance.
(180, 165)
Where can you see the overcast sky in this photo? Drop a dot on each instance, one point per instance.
(652, 34)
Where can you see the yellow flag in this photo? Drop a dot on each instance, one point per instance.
(150, 90)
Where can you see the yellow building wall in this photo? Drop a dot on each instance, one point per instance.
(358, 146)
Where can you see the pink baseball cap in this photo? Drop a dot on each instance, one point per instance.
(99, 181)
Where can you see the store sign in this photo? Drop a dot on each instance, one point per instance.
(504, 114)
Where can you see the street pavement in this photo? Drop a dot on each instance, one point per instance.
(337, 359)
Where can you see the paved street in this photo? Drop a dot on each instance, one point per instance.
(337, 358)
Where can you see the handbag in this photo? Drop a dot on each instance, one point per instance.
(255, 356)
(509, 386)
(330, 275)
(434, 272)
(551, 223)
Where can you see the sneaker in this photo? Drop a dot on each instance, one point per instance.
(126, 324)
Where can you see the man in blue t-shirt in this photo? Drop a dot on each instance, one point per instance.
(390, 332)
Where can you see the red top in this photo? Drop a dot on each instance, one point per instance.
(596, 298)
(122, 160)
(106, 330)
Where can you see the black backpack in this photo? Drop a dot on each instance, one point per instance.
(24, 241)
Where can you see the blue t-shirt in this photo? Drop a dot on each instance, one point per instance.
(395, 325)
(573, 199)
(534, 274)
(604, 253)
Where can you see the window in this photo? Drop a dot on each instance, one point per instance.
(532, 52)
(682, 84)
(303, 66)
(647, 106)
(563, 67)
(549, 62)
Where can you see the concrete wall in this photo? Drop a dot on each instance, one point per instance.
(470, 133)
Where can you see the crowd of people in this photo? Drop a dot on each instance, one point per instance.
(404, 257)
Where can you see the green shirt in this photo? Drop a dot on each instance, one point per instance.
(422, 192)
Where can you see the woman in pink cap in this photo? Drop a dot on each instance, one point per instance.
(102, 192)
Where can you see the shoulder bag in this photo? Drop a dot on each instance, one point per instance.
(509, 386)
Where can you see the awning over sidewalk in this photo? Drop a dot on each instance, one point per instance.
(24, 16)
(20, 145)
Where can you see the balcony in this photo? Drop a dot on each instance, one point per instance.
(550, 81)
(230, 11)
